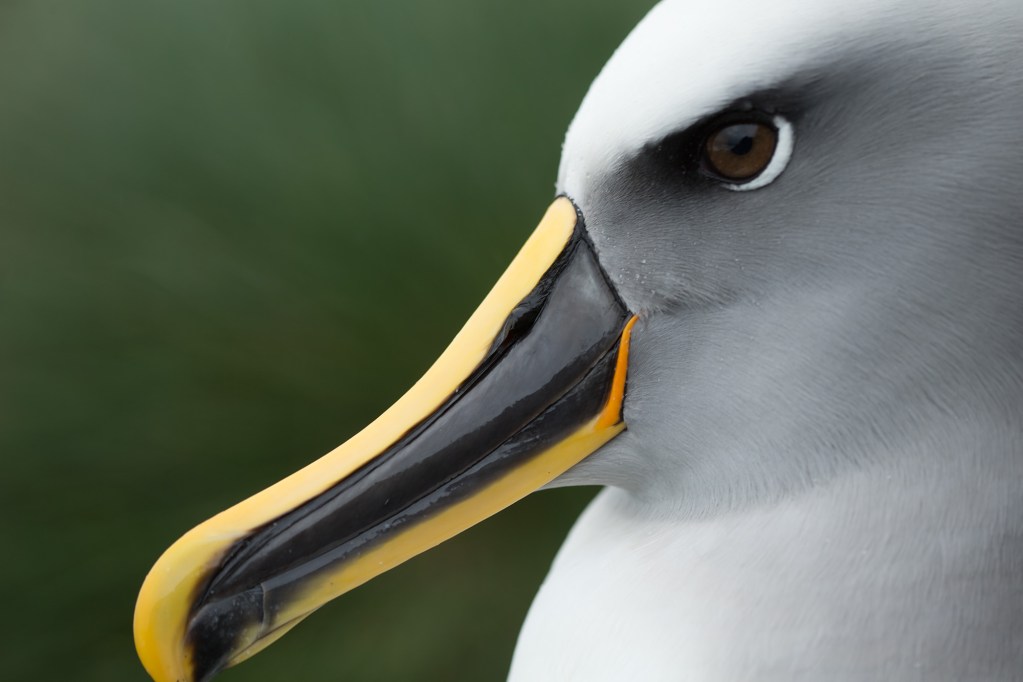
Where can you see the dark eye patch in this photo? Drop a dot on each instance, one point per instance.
(730, 147)
(680, 160)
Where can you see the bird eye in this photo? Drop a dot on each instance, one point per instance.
(747, 154)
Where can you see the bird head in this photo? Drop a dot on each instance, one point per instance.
(772, 218)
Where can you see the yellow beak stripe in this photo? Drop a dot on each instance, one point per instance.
(172, 586)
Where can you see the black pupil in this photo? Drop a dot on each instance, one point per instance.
(739, 139)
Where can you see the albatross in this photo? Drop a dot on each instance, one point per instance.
(777, 310)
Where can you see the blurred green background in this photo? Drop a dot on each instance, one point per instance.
(231, 233)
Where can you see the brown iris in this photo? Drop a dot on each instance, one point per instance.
(741, 151)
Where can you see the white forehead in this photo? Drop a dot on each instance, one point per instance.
(688, 58)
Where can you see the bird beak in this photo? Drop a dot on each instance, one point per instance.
(532, 384)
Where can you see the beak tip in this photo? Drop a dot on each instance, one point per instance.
(162, 609)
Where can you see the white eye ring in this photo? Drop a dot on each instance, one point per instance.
(781, 158)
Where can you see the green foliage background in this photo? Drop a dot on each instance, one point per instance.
(231, 233)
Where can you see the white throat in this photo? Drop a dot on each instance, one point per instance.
(885, 573)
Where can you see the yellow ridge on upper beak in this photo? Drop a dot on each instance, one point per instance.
(168, 597)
